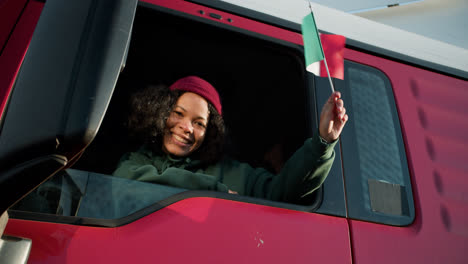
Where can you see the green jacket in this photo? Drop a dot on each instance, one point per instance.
(302, 174)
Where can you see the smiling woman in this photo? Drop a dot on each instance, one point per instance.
(183, 130)
(175, 120)
(186, 126)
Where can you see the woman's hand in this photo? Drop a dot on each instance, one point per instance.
(333, 118)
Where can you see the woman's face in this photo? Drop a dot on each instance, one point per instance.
(186, 126)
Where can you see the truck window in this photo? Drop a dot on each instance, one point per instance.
(377, 180)
(93, 195)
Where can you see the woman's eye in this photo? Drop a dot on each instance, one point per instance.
(200, 124)
(177, 113)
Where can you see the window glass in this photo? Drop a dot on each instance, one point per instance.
(93, 195)
(376, 141)
(375, 169)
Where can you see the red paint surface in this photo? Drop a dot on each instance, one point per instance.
(196, 230)
(237, 21)
(13, 54)
(9, 13)
(433, 115)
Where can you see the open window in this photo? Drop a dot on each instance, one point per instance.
(261, 83)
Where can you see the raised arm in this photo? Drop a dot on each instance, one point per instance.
(307, 168)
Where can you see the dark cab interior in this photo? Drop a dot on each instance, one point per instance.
(261, 84)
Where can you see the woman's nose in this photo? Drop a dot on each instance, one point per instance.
(186, 126)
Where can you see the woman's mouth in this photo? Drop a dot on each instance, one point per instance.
(181, 140)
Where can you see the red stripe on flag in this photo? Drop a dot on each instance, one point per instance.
(333, 48)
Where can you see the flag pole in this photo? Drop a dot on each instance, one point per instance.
(324, 58)
(328, 73)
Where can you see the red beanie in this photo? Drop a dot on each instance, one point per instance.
(199, 86)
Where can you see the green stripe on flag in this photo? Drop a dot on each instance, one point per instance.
(312, 46)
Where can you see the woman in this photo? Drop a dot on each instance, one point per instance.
(183, 149)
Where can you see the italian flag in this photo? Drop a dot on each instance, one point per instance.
(333, 47)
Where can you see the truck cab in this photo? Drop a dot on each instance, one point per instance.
(396, 191)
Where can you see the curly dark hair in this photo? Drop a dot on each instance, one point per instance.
(151, 107)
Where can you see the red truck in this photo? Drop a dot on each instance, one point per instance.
(397, 192)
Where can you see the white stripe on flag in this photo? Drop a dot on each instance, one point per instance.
(314, 68)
